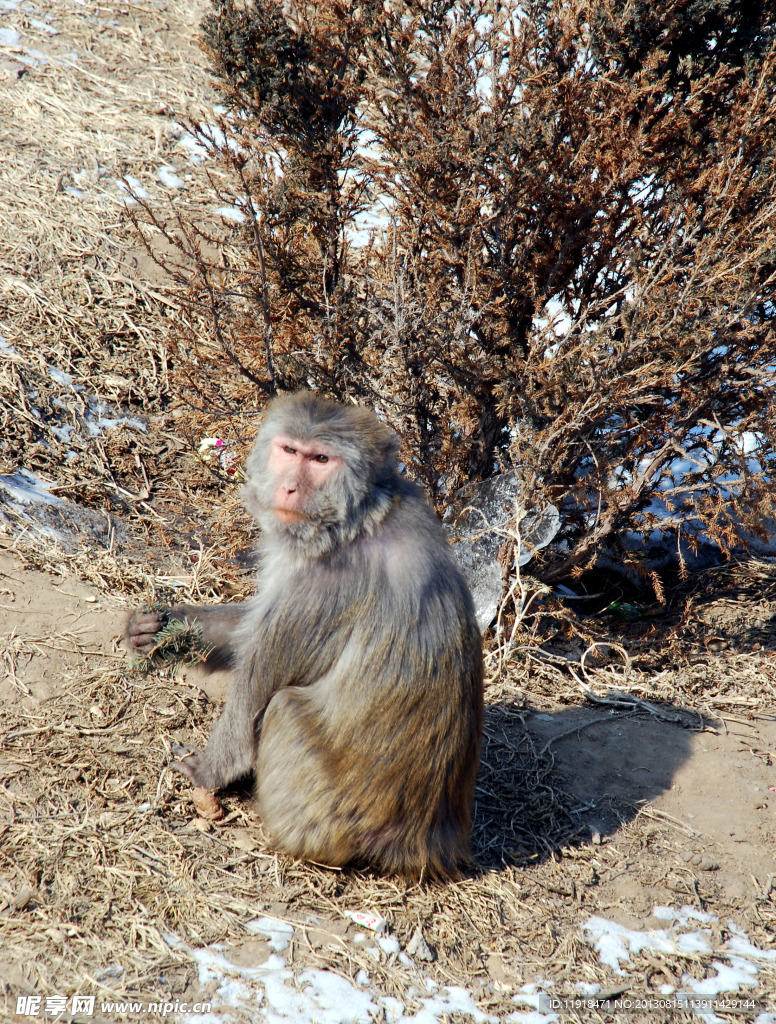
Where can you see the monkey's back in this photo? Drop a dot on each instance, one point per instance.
(372, 757)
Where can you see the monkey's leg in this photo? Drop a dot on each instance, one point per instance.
(218, 624)
(297, 795)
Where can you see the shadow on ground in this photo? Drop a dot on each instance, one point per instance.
(549, 781)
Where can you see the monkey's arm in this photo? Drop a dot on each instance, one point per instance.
(294, 639)
(230, 753)
(218, 624)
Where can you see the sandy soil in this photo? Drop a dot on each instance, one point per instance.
(675, 809)
(715, 787)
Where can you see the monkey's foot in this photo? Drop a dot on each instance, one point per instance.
(193, 765)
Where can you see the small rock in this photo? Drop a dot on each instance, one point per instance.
(207, 804)
(418, 948)
(243, 841)
(708, 865)
(23, 897)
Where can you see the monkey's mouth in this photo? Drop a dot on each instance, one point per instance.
(287, 515)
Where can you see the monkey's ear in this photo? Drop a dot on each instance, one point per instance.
(383, 444)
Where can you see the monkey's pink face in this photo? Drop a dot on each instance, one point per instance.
(299, 469)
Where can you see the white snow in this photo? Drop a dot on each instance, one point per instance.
(60, 376)
(729, 978)
(168, 177)
(532, 995)
(33, 58)
(615, 943)
(389, 944)
(277, 933)
(232, 213)
(284, 996)
(102, 416)
(25, 488)
(43, 26)
(735, 967)
(207, 142)
(7, 351)
(130, 184)
(682, 915)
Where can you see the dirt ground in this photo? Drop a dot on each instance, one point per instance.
(666, 807)
(716, 784)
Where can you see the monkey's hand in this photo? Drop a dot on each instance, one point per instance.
(193, 764)
(142, 628)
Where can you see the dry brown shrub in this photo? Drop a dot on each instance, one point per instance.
(540, 239)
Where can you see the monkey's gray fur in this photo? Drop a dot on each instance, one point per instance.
(357, 689)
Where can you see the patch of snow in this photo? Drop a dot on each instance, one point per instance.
(682, 915)
(209, 140)
(59, 376)
(63, 433)
(132, 185)
(694, 942)
(9, 37)
(282, 995)
(587, 988)
(7, 351)
(453, 999)
(101, 416)
(168, 177)
(25, 488)
(737, 965)
(33, 58)
(197, 152)
(277, 933)
(739, 943)
(232, 213)
(389, 944)
(615, 943)
(43, 26)
(532, 995)
(729, 978)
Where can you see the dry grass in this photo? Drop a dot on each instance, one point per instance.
(104, 859)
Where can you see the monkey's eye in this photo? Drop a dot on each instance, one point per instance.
(289, 450)
(321, 458)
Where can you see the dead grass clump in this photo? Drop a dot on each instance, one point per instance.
(84, 321)
(104, 857)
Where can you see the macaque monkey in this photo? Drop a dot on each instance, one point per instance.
(356, 696)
